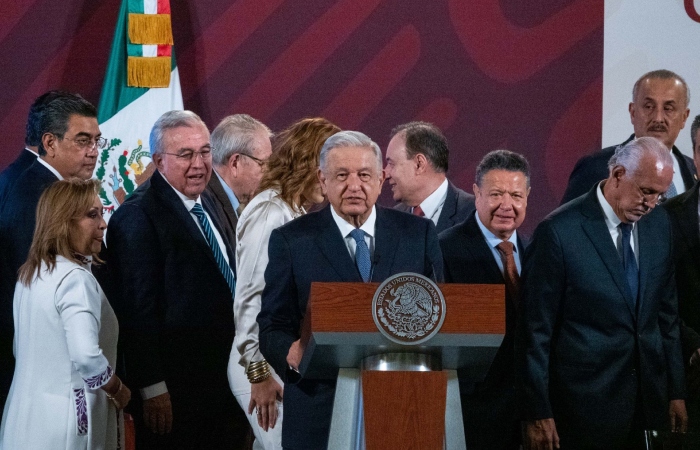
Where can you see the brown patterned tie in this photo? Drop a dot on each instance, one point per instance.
(510, 270)
(417, 211)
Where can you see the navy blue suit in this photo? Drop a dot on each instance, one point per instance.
(13, 171)
(175, 314)
(457, 207)
(310, 249)
(17, 222)
(590, 169)
(491, 419)
(585, 354)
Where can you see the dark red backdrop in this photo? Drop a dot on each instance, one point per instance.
(526, 76)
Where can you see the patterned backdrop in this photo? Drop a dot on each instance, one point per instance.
(526, 76)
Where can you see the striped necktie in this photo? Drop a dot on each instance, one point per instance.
(224, 268)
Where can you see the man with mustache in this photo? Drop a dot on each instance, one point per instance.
(659, 108)
(597, 349)
(416, 163)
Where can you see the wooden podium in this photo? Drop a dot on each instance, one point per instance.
(391, 395)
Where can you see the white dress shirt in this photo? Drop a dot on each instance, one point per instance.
(346, 228)
(612, 222)
(432, 205)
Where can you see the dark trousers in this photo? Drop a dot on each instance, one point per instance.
(208, 422)
(491, 420)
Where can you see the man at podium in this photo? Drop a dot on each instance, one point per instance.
(351, 240)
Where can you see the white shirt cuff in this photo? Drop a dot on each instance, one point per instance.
(153, 390)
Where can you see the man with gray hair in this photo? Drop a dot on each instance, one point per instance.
(659, 108)
(598, 354)
(173, 285)
(240, 147)
(352, 239)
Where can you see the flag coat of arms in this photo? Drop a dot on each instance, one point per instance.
(141, 83)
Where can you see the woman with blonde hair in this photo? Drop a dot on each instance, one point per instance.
(288, 189)
(64, 392)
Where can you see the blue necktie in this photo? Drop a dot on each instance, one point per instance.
(629, 262)
(671, 191)
(364, 265)
(224, 268)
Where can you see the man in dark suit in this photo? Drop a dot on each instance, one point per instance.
(170, 268)
(598, 354)
(487, 249)
(416, 163)
(683, 211)
(32, 139)
(240, 147)
(349, 240)
(659, 108)
(70, 139)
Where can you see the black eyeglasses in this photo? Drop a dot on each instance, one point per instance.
(260, 162)
(86, 143)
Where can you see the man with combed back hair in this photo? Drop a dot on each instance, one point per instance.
(417, 159)
(598, 353)
(351, 239)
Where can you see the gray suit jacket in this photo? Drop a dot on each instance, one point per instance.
(458, 205)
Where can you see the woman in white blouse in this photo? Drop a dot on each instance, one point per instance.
(288, 189)
(64, 392)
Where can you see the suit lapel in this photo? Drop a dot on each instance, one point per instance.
(476, 244)
(689, 219)
(332, 245)
(218, 190)
(686, 172)
(449, 209)
(598, 233)
(386, 242)
(170, 199)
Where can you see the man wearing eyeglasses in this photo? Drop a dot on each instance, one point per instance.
(598, 353)
(173, 281)
(240, 147)
(69, 142)
(659, 108)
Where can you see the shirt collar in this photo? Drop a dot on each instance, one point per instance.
(434, 200)
(43, 162)
(31, 151)
(611, 219)
(345, 227)
(188, 202)
(494, 240)
(229, 193)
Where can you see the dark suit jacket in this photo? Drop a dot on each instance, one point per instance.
(309, 249)
(458, 205)
(13, 171)
(174, 306)
(683, 211)
(593, 168)
(222, 207)
(468, 259)
(582, 349)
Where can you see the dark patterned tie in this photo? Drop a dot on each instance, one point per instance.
(510, 270)
(629, 262)
(362, 260)
(224, 268)
(418, 211)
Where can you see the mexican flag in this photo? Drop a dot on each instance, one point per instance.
(141, 84)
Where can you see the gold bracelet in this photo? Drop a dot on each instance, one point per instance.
(258, 371)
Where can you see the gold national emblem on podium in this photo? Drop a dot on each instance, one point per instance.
(408, 308)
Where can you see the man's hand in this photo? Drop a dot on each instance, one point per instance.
(541, 435)
(158, 413)
(678, 415)
(264, 396)
(294, 355)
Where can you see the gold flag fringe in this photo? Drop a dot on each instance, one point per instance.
(148, 71)
(150, 29)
